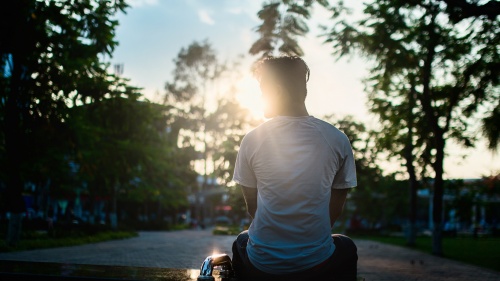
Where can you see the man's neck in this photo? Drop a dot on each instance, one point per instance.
(294, 111)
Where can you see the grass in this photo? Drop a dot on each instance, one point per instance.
(483, 252)
(41, 240)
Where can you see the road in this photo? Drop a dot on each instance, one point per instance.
(188, 248)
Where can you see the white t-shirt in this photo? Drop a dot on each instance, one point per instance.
(294, 162)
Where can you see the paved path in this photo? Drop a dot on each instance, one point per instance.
(188, 249)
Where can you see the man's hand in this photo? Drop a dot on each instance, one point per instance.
(337, 201)
(250, 195)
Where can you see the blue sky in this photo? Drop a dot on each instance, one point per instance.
(152, 33)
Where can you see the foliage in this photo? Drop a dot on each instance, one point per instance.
(49, 59)
(227, 230)
(462, 9)
(399, 36)
(491, 128)
(196, 67)
(227, 125)
(282, 22)
(123, 151)
(196, 70)
(212, 132)
(67, 123)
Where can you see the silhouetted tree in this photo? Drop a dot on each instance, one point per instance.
(451, 67)
(49, 56)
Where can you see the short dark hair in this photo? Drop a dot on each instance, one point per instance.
(290, 71)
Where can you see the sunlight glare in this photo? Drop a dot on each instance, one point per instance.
(193, 274)
(249, 96)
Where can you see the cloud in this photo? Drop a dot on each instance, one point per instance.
(205, 17)
(139, 3)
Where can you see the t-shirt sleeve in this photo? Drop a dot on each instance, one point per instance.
(346, 175)
(243, 172)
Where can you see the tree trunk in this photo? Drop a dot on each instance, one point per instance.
(413, 186)
(437, 212)
(438, 140)
(413, 183)
(13, 148)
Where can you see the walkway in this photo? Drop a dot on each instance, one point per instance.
(188, 249)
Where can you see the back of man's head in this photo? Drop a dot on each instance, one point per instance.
(290, 72)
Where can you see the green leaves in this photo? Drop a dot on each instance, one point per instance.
(270, 16)
(401, 37)
(491, 127)
(226, 126)
(125, 143)
(64, 118)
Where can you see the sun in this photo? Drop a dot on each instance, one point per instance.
(249, 96)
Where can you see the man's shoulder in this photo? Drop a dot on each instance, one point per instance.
(329, 130)
(260, 130)
(255, 135)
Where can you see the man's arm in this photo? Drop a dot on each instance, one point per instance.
(250, 195)
(337, 201)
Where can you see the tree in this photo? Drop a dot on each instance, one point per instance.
(399, 136)
(196, 71)
(228, 124)
(282, 22)
(49, 56)
(452, 67)
(214, 130)
(491, 128)
(123, 148)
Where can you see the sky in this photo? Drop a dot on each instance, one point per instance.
(152, 32)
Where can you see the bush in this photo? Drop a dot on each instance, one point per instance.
(36, 234)
(226, 230)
